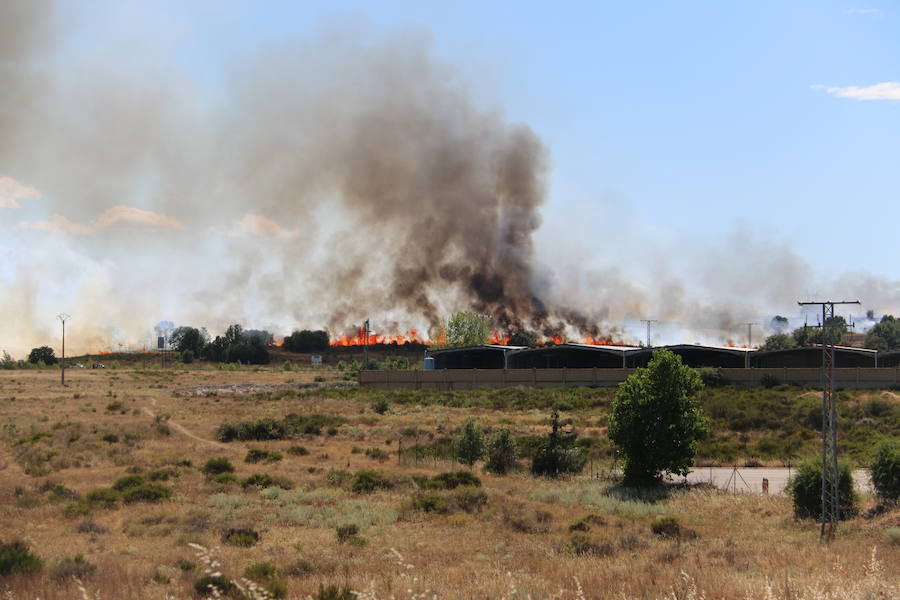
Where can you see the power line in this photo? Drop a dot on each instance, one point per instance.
(830, 473)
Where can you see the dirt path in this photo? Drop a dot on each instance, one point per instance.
(181, 429)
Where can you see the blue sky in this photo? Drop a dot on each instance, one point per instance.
(688, 117)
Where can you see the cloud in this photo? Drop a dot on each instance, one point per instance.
(875, 12)
(888, 90)
(115, 215)
(260, 227)
(57, 223)
(135, 216)
(11, 191)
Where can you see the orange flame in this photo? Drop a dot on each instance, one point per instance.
(359, 338)
(496, 338)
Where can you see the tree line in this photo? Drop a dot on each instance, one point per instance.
(884, 336)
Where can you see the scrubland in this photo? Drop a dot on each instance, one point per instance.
(330, 498)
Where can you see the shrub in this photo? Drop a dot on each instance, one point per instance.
(240, 536)
(587, 522)
(893, 535)
(377, 454)
(298, 451)
(380, 405)
(711, 377)
(333, 592)
(91, 526)
(582, 544)
(162, 474)
(269, 576)
(256, 455)
(129, 481)
(214, 585)
(768, 381)
(75, 567)
(287, 366)
(110, 438)
(148, 492)
(366, 482)
(469, 500)
(886, 470)
(451, 480)
(115, 406)
(15, 557)
(805, 489)
(345, 532)
(224, 478)
(215, 466)
(666, 527)
(264, 480)
(656, 420)
(501, 453)
(187, 357)
(103, 498)
(556, 454)
(468, 447)
(430, 502)
(43, 354)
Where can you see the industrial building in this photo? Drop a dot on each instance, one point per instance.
(570, 356)
(488, 356)
(889, 359)
(696, 355)
(810, 357)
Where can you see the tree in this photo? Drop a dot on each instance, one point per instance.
(656, 420)
(233, 334)
(43, 354)
(779, 341)
(307, 341)
(501, 453)
(260, 337)
(779, 323)
(469, 445)
(468, 329)
(556, 454)
(885, 335)
(247, 354)
(523, 338)
(188, 338)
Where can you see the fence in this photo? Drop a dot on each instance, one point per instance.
(468, 379)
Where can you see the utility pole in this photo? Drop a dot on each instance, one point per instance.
(648, 322)
(749, 344)
(63, 317)
(366, 345)
(830, 473)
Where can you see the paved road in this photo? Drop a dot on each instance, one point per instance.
(749, 480)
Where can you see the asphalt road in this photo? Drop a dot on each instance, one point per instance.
(750, 480)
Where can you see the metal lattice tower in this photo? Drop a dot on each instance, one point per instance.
(830, 473)
(649, 322)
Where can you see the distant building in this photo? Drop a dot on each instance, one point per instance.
(810, 357)
(487, 356)
(570, 356)
(696, 355)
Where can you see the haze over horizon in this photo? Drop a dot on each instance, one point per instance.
(576, 169)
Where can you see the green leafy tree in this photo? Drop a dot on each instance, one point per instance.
(307, 341)
(885, 335)
(523, 338)
(557, 454)
(7, 361)
(468, 447)
(656, 420)
(234, 334)
(501, 453)
(886, 470)
(188, 338)
(779, 323)
(42, 354)
(468, 329)
(779, 341)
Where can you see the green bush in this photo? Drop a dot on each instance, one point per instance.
(298, 451)
(110, 438)
(243, 537)
(346, 532)
(430, 502)
(15, 558)
(75, 567)
(115, 406)
(268, 576)
(256, 455)
(468, 447)
(224, 478)
(129, 481)
(805, 489)
(187, 357)
(556, 454)
(148, 492)
(377, 454)
(366, 482)
(264, 480)
(216, 466)
(582, 544)
(380, 405)
(451, 480)
(501, 453)
(885, 470)
(468, 499)
(333, 592)
(103, 498)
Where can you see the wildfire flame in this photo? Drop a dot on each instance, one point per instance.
(359, 338)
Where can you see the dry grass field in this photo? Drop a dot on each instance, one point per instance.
(62, 449)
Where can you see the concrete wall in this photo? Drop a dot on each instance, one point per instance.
(468, 379)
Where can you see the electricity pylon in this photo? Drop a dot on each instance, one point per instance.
(831, 509)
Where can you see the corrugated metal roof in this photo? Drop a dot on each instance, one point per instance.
(482, 347)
